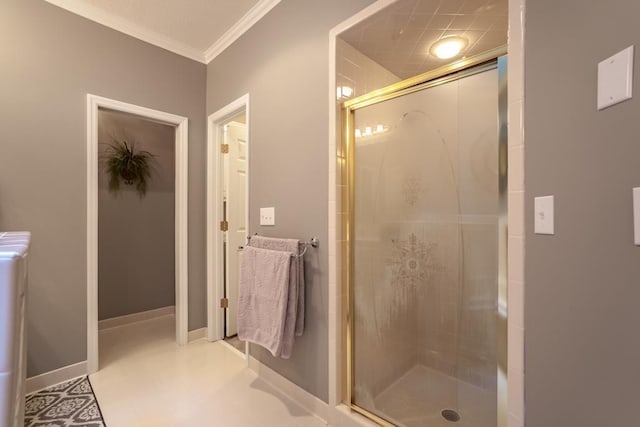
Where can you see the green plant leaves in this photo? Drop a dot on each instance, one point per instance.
(124, 164)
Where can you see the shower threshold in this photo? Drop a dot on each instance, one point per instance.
(419, 397)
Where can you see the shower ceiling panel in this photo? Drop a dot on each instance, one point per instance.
(399, 37)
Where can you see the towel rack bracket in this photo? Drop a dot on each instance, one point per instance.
(313, 242)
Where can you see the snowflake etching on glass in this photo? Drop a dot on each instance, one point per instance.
(412, 262)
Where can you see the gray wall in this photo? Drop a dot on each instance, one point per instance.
(583, 284)
(282, 62)
(136, 268)
(49, 60)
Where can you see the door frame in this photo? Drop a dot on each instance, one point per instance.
(491, 60)
(181, 125)
(215, 279)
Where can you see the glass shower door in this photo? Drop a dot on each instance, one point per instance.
(426, 212)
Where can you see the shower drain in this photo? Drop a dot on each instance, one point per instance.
(450, 415)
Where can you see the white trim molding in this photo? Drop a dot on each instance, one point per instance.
(335, 290)
(215, 280)
(181, 125)
(129, 28)
(57, 376)
(197, 334)
(303, 398)
(128, 319)
(236, 351)
(516, 215)
(254, 14)
(339, 415)
(118, 23)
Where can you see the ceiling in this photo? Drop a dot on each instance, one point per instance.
(399, 36)
(197, 29)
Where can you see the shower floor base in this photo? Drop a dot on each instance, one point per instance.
(421, 394)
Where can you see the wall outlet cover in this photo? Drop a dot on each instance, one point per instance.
(636, 215)
(615, 78)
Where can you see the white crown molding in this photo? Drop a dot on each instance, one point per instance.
(239, 28)
(127, 27)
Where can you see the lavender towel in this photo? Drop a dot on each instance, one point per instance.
(263, 296)
(295, 312)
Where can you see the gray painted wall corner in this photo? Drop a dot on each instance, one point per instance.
(51, 59)
(582, 293)
(282, 62)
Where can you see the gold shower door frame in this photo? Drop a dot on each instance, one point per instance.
(346, 164)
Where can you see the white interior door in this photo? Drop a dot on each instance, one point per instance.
(236, 197)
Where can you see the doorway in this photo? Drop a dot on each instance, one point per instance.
(234, 184)
(227, 200)
(136, 233)
(179, 127)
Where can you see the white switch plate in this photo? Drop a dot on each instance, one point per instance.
(636, 215)
(543, 211)
(267, 216)
(615, 78)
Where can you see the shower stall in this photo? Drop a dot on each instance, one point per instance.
(425, 248)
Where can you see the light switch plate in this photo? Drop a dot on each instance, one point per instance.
(543, 211)
(267, 216)
(615, 78)
(636, 215)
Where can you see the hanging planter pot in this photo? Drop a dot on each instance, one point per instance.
(124, 164)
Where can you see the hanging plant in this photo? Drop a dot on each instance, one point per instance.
(123, 163)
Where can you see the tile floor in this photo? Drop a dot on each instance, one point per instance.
(145, 380)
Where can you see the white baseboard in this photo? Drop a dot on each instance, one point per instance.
(232, 348)
(56, 376)
(339, 415)
(197, 334)
(136, 317)
(311, 403)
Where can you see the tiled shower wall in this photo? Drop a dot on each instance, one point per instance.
(358, 71)
(516, 242)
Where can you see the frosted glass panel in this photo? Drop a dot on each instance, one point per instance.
(426, 254)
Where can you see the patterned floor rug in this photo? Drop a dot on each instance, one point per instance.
(69, 404)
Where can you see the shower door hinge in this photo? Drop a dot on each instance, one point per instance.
(224, 148)
(224, 303)
(224, 225)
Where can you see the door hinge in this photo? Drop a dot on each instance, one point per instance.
(224, 225)
(224, 148)
(224, 303)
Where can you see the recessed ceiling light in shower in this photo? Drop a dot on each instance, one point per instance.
(448, 47)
